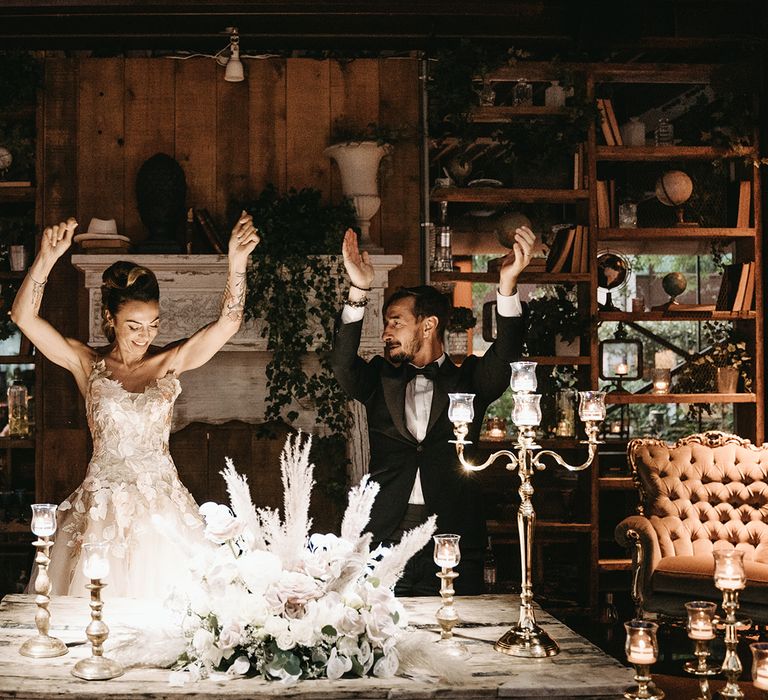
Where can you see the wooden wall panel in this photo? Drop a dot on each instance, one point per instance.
(232, 150)
(400, 199)
(308, 124)
(100, 139)
(149, 127)
(195, 129)
(267, 95)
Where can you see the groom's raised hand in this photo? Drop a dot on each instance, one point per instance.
(357, 264)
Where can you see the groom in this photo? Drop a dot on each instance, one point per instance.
(405, 394)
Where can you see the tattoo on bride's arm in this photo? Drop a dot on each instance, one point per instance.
(233, 301)
(37, 294)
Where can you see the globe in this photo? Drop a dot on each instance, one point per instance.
(674, 283)
(674, 188)
(507, 224)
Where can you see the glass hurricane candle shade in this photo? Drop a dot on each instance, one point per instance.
(729, 570)
(44, 519)
(701, 615)
(461, 408)
(526, 412)
(95, 561)
(592, 405)
(641, 646)
(523, 377)
(661, 379)
(760, 665)
(447, 554)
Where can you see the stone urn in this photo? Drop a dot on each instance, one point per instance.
(358, 163)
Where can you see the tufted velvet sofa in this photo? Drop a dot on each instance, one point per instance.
(705, 492)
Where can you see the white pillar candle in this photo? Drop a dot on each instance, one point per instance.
(641, 653)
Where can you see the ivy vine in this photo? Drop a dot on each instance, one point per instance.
(293, 286)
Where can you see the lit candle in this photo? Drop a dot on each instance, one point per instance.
(729, 570)
(446, 554)
(523, 377)
(592, 405)
(461, 408)
(700, 616)
(526, 411)
(44, 519)
(95, 562)
(622, 369)
(760, 679)
(661, 380)
(641, 653)
(701, 629)
(759, 665)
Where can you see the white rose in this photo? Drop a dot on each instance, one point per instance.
(204, 645)
(220, 524)
(258, 570)
(199, 603)
(351, 622)
(231, 635)
(285, 640)
(274, 626)
(304, 632)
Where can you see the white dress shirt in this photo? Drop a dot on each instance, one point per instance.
(418, 392)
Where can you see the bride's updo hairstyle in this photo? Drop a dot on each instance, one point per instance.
(122, 282)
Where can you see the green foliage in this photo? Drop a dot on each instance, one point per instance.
(7, 295)
(462, 319)
(19, 139)
(345, 131)
(296, 292)
(553, 311)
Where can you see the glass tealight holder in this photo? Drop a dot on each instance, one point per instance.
(495, 428)
(661, 378)
(760, 665)
(461, 408)
(641, 646)
(592, 405)
(447, 553)
(701, 615)
(526, 412)
(447, 556)
(729, 570)
(95, 561)
(44, 519)
(523, 376)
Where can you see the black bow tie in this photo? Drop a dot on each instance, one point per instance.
(430, 371)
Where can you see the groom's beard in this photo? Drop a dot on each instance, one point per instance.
(401, 354)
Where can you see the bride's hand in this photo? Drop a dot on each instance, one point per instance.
(243, 241)
(57, 239)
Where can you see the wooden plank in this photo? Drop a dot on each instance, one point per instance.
(149, 127)
(195, 130)
(22, 193)
(65, 458)
(675, 315)
(267, 111)
(504, 114)
(491, 277)
(672, 234)
(616, 398)
(617, 483)
(655, 154)
(232, 143)
(506, 195)
(100, 137)
(307, 124)
(400, 186)
(615, 564)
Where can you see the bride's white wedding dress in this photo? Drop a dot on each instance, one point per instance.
(131, 478)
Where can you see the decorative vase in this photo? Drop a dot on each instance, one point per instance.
(358, 163)
(727, 380)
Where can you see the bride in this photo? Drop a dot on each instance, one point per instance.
(130, 387)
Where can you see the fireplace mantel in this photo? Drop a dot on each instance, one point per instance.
(190, 296)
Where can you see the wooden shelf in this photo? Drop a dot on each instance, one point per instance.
(616, 483)
(497, 527)
(679, 398)
(652, 73)
(17, 443)
(672, 234)
(493, 277)
(560, 359)
(665, 153)
(17, 359)
(17, 194)
(506, 195)
(503, 114)
(614, 564)
(674, 315)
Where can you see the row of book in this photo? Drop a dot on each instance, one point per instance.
(608, 123)
(737, 288)
(569, 251)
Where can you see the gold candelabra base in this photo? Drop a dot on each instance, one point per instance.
(645, 689)
(529, 641)
(447, 617)
(731, 667)
(43, 646)
(97, 667)
(701, 669)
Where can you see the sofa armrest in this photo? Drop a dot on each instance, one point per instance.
(637, 534)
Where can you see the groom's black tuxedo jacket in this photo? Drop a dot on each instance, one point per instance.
(449, 491)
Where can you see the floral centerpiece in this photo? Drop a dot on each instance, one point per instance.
(271, 600)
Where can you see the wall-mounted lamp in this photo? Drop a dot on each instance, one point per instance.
(234, 66)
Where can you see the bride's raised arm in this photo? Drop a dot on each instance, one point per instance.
(66, 352)
(204, 344)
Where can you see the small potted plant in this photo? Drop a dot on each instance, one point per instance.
(554, 325)
(462, 320)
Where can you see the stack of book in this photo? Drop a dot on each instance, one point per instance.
(737, 288)
(569, 251)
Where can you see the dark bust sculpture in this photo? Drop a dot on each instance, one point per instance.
(161, 192)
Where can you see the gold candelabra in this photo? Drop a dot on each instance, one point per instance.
(43, 646)
(96, 667)
(642, 650)
(447, 556)
(731, 578)
(701, 629)
(526, 638)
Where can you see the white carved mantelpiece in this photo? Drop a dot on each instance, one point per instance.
(232, 386)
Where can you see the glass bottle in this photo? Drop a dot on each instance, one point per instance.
(489, 569)
(523, 93)
(633, 132)
(18, 410)
(664, 135)
(443, 260)
(554, 95)
(609, 616)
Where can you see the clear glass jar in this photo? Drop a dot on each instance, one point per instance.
(18, 410)
(664, 135)
(523, 93)
(554, 95)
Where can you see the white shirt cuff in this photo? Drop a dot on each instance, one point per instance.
(507, 306)
(353, 314)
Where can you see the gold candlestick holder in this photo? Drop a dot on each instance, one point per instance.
(96, 667)
(446, 557)
(645, 689)
(43, 646)
(701, 630)
(731, 578)
(526, 638)
(701, 669)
